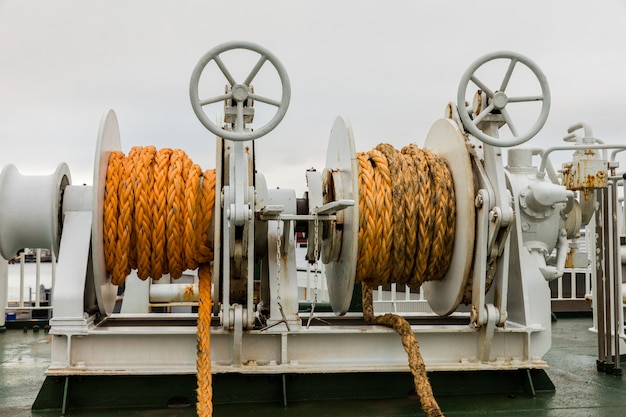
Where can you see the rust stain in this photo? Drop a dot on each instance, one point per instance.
(188, 292)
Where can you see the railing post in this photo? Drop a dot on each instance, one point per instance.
(22, 261)
(37, 277)
(4, 290)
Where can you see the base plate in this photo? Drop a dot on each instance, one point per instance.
(446, 140)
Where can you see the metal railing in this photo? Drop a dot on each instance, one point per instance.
(29, 299)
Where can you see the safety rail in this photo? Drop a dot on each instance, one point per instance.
(27, 298)
(570, 293)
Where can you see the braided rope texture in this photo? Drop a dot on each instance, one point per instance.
(407, 215)
(158, 211)
(411, 346)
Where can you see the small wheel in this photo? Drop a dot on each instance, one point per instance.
(497, 100)
(239, 92)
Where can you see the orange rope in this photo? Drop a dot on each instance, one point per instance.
(407, 216)
(158, 212)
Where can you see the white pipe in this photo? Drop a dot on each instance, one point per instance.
(174, 293)
(37, 277)
(549, 272)
(22, 260)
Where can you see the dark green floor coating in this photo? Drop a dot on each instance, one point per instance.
(580, 389)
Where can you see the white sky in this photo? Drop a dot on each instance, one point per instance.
(390, 67)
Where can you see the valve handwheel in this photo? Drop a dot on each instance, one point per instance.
(239, 92)
(498, 100)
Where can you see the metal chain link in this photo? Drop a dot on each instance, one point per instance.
(315, 266)
(279, 237)
(315, 255)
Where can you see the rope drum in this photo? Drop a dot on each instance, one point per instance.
(158, 211)
(407, 215)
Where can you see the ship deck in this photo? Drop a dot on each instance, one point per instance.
(580, 389)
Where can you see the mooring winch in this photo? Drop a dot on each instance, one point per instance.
(479, 238)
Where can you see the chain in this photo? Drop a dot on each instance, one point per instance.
(279, 237)
(315, 256)
(315, 266)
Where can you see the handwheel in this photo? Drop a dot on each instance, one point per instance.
(497, 100)
(239, 92)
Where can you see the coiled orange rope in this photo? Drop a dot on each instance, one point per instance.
(158, 209)
(407, 215)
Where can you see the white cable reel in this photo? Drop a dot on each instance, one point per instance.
(239, 92)
(498, 100)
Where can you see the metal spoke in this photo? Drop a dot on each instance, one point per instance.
(255, 70)
(264, 100)
(216, 99)
(482, 86)
(239, 124)
(507, 76)
(224, 70)
(509, 122)
(483, 113)
(522, 99)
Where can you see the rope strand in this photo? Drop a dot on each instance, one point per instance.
(158, 213)
(404, 237)
(407, 216)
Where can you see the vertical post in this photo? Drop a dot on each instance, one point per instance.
(616, 279)
(4, 290)
(37, 277)
(608, 274)
(53, 266)
(599, 286)
(22, 261)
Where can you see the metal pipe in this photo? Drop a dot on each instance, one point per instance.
(548, 151)
(37, 277)
(22, 260)
(599, 287)
(174, 293)
(4, 289)
(615, 278)
(608, 269)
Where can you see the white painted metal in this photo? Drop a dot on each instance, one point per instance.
(108, 141)
(497, 99)
(136, 295)
(29, 209)
(449, 143)
(341, 170)
(240, 92)
(283, 282)
(4, 289)
(509, 327)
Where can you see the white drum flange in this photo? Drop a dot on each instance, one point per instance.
(448, 142)
(340, 244)
(108, 141)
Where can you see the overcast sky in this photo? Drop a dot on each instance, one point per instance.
(389, 66)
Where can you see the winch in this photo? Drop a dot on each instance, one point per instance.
(166, 269)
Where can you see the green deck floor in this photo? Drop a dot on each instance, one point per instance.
(580, 389)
